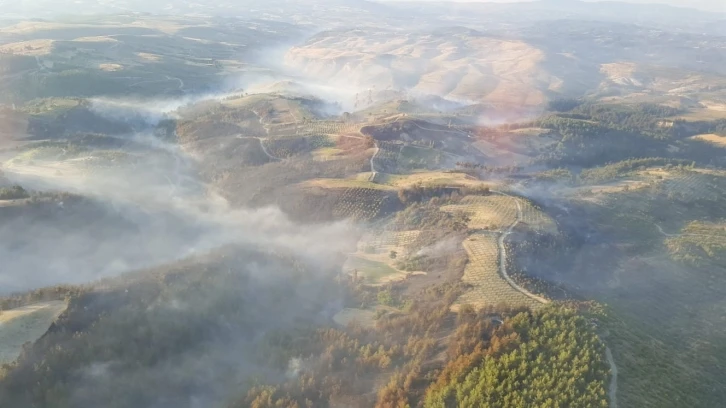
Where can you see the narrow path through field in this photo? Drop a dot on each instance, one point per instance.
(289, 110)
(373, 167)
(613, 388)
(264, 149)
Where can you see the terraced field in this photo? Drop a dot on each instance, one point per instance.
(360, 204)
(482, 273)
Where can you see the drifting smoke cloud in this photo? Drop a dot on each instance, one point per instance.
(442, 247)
(147, 212)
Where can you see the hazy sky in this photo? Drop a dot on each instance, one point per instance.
(710, 5)
(713, 5)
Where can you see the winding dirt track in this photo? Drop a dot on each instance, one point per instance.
(373, 168)
(503, 257)
(613, 388)
(264, 150)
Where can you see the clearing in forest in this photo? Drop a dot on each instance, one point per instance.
(372, 269)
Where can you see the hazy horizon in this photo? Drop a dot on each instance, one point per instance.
(707, 5)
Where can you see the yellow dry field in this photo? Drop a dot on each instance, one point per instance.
(386, 241)
(99, 38)
(435, 178)
(482, 274)
(709, 112)
(493, 212)
(28, 323)
(497, 71)
(32, 47)
(498, 212)
(110, 67)
(712, 139)
(29, 27)
(344, 183)
(148, 57)
(327, 153)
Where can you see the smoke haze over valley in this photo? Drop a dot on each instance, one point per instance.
(344, 203)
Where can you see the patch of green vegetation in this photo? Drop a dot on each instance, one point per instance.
(554, 352)
(642, 117)
(555, 175)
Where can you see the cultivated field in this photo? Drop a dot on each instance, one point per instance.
(497, 212)
(482, 273)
